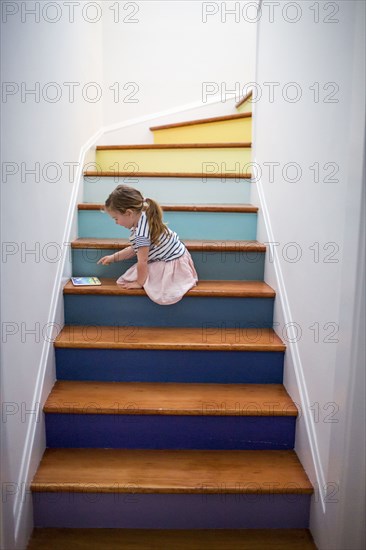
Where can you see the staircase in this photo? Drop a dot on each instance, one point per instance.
(167, 423)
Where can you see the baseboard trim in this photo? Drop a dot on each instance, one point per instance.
(292, 352)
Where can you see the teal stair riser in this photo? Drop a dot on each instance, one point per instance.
(188, 225)
(173, 190)
(189, 312)
(218, 264)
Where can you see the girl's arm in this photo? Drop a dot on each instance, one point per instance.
(124, 254)
(142, 255)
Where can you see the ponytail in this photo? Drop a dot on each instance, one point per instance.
(154, 216)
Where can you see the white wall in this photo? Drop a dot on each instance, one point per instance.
(172, 50)
(177, 60)
(311, 279)
(34, 214)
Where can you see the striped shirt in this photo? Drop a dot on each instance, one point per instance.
(168, 248)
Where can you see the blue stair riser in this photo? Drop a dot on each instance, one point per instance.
(171, 511)
(173, 190)
(138, 365)
(218, 264)
(170, 432)
(204, 312)
(188, 225)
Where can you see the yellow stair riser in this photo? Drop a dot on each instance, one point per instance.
(202, 160)
(246, 107)
(224, 131)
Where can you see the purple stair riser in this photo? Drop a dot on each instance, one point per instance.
(170, 431)
(171, 511)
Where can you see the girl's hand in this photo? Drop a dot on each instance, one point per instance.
(132, 284)
(106, 260)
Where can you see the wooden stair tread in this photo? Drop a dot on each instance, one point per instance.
(171, 539)
(244, 99)
(136, 337)
(244, 208)
(234, 144)
(72, 397)
(202, 175)
(167, 471)
(222, 288)
(201, 121)
(192, 245)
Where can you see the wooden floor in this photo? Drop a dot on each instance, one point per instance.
(127, 539)
(167, 471)
(243, 208)
(169, 398)
(232, 289)
(244, 339)
(218, 175)
(192, 245)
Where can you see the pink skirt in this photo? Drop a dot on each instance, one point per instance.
(166, 282)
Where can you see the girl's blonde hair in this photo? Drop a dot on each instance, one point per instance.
(127, 198)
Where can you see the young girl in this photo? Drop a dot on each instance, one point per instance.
(164, 266)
